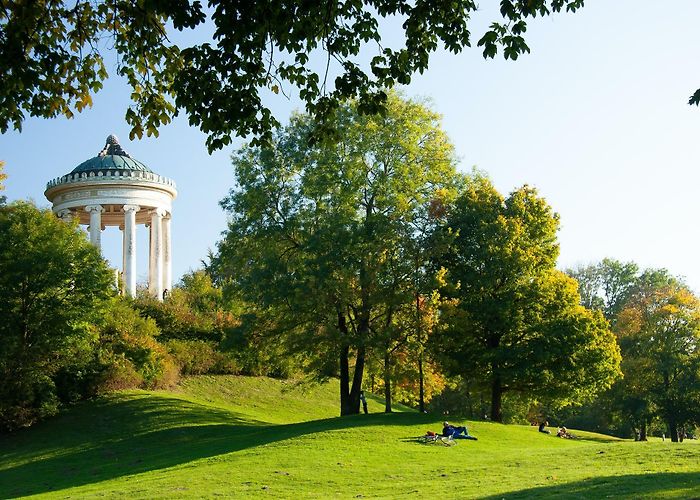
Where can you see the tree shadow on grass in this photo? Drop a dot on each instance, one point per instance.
(121, 436)
(663, 484)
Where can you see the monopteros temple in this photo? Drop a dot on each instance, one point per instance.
(114, 189)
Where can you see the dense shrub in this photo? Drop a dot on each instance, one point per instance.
(131, 356)
(197, 357)
(176, 321)
(117, 373)
(196, 323)
(29, 398)
(81, 379)
(194, 310)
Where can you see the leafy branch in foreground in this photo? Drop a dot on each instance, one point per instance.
(231, 54)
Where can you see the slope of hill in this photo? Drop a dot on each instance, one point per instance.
(256, 437)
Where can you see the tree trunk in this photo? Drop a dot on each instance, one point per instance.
(496, 400)
(673, 429)
(419, 332)
(672, 424)
(470, 405)
(387, 381)
(493, 341)
(345, 406)
(643, 431)
(421, 389)
(357, 381)
(350, 396)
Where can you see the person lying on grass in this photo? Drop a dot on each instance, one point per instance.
(456, 432)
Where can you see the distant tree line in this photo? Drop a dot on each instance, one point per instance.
(656, 321)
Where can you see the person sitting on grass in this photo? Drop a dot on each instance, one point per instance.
(563, 433)
(542, 428)
(449, 430)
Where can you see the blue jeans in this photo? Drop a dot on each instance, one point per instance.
(461, 433)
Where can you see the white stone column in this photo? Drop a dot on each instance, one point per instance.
(95, 212)
(167, 255)
(130, 249)
(155, 284)
(151, 258)
(122, 228)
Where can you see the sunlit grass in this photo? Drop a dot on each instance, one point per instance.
(246, 437)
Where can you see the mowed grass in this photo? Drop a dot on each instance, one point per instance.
(255, 437)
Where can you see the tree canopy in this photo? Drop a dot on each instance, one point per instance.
(606, 286)
(659, 331)
(321, 236)
(217, 63)
(53, 284)
(656, 320)
(516, 325)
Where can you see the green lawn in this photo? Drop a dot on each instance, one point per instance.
(256, 437)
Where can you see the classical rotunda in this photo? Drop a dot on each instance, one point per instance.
(114, 189)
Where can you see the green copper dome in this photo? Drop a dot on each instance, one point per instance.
(112, 157)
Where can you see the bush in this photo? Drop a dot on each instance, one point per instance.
(27, 399)
(194, 310)
(225, 364)
(197, 357)
(80, 380)
(193, 357)
(118, 373)
(133, 357)
(197, 322)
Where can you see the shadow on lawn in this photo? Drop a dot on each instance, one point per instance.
(116, 437)
(669, 484)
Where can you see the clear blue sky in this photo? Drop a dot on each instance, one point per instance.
(595, 118)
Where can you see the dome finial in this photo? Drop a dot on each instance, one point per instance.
(112, 147)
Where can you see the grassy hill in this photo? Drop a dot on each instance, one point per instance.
(257, 437)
